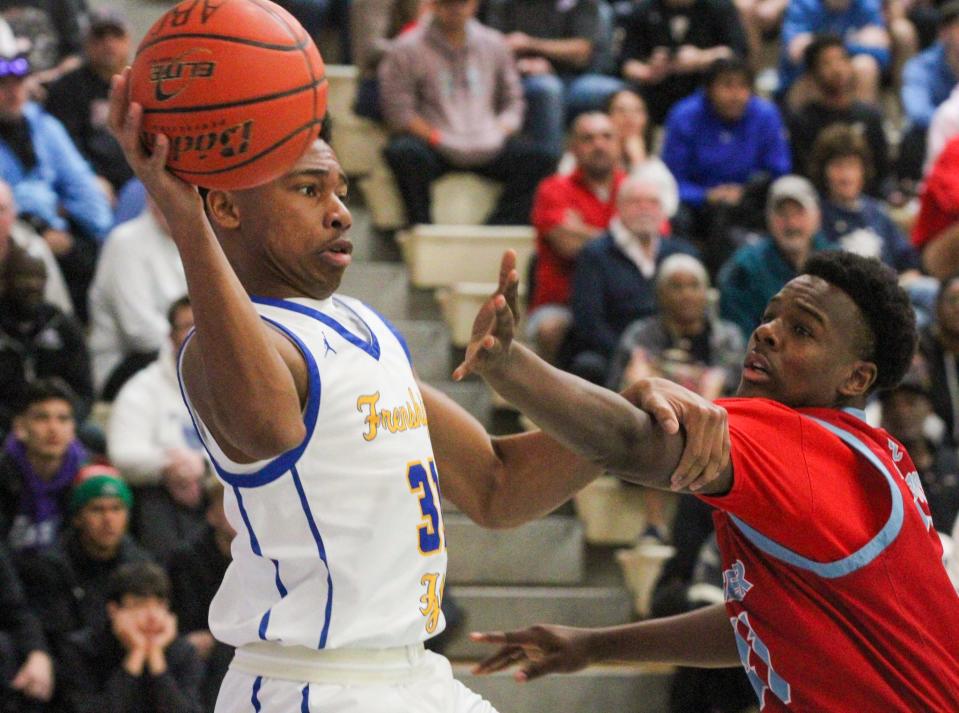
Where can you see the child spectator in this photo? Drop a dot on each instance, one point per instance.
(134, 661)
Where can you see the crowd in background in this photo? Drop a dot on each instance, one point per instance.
(678, 159)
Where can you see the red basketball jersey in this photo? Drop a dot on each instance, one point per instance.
(833, 574)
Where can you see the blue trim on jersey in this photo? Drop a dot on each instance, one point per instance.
(396, 333)
(255, 698)
(371, 347)
(305, 703)
(857, 412)
(321, 549)
(255, 547)
(861, 557)
(282, 463)
(279, 583)
(264, 624)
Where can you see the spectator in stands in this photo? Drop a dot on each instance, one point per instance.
(151, 439)
(67, 587)
(26, 668)
(555, 46)
(196, 570)
(41, 459)
(55, 189)
(373, 26)
(936, 230)
(316, 16)
(927, 80)
(760, 19)
(939, 347)
(138, 276)
(682, 342)
(943, 127)
(50, 32)
(758, 271)
(570, 211)
(905, 410)
(133, 662)
(613, 283)
(669, 46)
(829, 67)
(842, 165)
(79, 98)
(860, 25)
(37, 340)
(630, 116)
(724, 144)
(16, 235)
(451, 95)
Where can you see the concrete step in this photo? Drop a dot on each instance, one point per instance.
(600, 689)
(545, 551)
(470, 395)
(429, 344)
(499, 608)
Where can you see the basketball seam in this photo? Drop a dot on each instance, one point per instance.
(306, 60)
(241, 102)
(298, 47)
(251, 159)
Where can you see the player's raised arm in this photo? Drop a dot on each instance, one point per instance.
(599, 425)
(243, 378)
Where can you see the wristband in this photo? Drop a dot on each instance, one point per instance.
(434, 138)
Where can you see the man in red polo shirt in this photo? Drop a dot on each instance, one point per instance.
(570, 210)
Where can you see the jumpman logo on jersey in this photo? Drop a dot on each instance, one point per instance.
(326, 344)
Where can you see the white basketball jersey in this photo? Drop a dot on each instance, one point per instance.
(340, 541)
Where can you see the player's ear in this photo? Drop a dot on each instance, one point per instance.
(860, 379)
(222, 208)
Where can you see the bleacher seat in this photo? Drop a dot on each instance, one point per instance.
(641, 566)
(612, 513)
(445, 255)
(358, 142)
(460, 303)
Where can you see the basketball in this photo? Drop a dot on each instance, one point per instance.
(237, 86)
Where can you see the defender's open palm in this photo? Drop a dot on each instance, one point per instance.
(495, 323)
(125, 119)
(538, 650)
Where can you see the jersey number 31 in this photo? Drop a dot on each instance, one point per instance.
(425, 484)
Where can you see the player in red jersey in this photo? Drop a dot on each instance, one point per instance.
(833, 577)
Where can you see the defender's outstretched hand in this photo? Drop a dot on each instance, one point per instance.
(495, 323)
(538, 650)
(125, 119)
(706, 454)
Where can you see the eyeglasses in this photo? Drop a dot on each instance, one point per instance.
(16, 67)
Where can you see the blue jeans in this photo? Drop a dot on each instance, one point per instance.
(553, 101)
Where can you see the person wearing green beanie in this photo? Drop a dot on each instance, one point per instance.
(100, 486)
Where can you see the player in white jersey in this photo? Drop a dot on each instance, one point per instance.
(332, 450)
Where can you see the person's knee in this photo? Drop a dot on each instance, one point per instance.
(405, 150)
(590, 93)
(551, 333)
(543, 86)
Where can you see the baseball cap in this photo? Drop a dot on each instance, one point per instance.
(100, 486)
(13, 58)
(107, 18)
(793, 188)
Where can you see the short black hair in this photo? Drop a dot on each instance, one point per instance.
(139, 579)
(40, 390)
(728, 65)
(884, 305)
(820, 44)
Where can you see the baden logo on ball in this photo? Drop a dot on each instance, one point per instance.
(238, 87)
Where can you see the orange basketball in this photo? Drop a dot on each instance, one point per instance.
(238, 87)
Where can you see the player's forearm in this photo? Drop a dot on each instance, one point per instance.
(576, 51)
(253, 398)
(595, 423)
(702, 638)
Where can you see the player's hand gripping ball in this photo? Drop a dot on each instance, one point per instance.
(237, 86)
